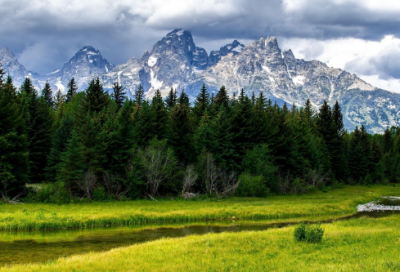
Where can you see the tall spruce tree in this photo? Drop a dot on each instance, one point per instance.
(71, 91)
(47, 95)
(201, 104)
(96, 98)
(118, 94)
(181, 132)
(222, 98)
(243, 127)
(139, 95)
(58, 99)
(171, 99)
(73, 165)
(13, 142)
(159, 117)
(58, 146)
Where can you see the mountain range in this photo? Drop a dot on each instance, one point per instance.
(260, 66)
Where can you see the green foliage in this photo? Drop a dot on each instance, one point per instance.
(71, 91)
(252, 186)
(118, 94)
(96, 98)
(308, 233)
(52, 193)
(14, 152)
(260, 162)
(300, 232)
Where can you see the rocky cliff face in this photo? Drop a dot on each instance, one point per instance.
(262, 67)
(235, 48)
(176, 62)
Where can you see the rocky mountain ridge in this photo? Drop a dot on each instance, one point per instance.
(260, 66)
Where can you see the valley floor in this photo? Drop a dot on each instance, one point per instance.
(362, 244)
(359, 244)
(106, 214)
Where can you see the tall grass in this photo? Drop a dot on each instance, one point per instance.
(107, 214)
(362, 244)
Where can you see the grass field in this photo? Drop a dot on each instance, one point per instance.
(363, 244)
(103, 214)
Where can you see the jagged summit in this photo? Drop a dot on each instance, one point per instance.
(11, 66)
(85, 65)
(235, 47)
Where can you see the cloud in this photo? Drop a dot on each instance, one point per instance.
(343, 33)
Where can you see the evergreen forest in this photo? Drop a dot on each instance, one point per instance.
(95, 146)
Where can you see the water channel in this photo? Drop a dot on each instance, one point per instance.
(31, 247)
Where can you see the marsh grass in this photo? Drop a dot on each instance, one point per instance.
(363, 244)
(109, 214)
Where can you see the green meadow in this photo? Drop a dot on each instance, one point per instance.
(108, 214)
(358, 244)
(362, 244)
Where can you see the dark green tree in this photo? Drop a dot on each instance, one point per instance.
(13, 142)
(171, 99)
(47, 95)
(71, 91)
(96, 98)
(118, 94)
(139, 95)
(222, 98)
(58, 146)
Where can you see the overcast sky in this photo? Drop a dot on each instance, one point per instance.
(361, 36)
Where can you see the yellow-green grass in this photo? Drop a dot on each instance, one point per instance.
(103, 214)
(363, 244)
(79, 234)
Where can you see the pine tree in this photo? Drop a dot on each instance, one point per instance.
(72, 88)
(171, 99)
(326, 128)
(180, 138)
(96, 98)
(58, 99)
(387, 140)
(253, 98)
(222, 98)
(201, 104)
(159, 117)
(118, 94)
(13, 142)
(73, 165)
(58, 146)
(47, 95)
(243, 127)
(309, 113)
(139, 95)
(39, 139)
(27, 87)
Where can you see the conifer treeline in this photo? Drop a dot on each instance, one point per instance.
(94, 145)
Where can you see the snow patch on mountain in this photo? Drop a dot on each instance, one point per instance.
(152, 60)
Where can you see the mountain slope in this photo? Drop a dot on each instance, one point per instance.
(85, 65)
(176, 62)
(262, 67)
(17, 71)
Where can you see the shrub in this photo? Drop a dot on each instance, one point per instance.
(308, 233)
(251, 186)
(52, 193)
(99, 194)
(314, 234)
(300, 232)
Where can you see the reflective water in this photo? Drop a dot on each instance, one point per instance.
(29, 247)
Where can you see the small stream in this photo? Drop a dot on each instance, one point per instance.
(31, 247)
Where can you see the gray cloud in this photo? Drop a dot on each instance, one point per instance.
(45, 33)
